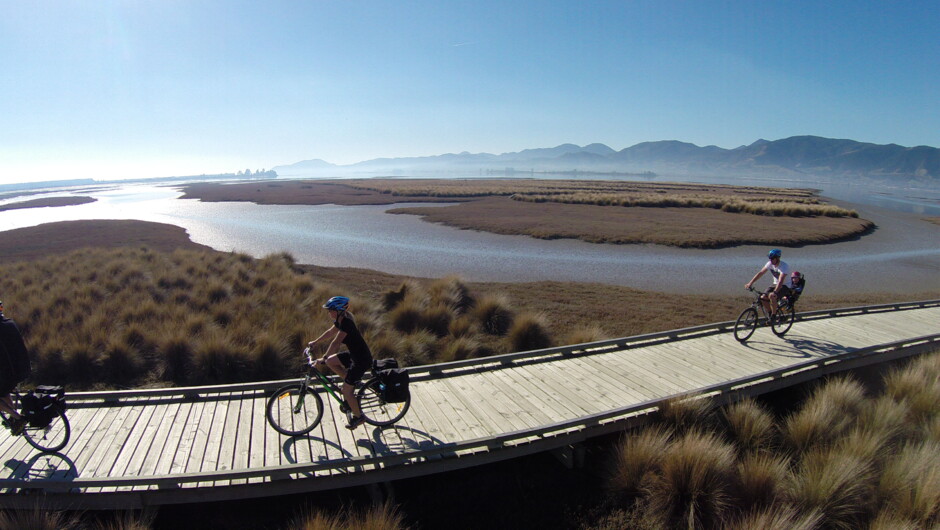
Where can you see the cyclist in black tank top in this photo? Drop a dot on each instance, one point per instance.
(351, 364)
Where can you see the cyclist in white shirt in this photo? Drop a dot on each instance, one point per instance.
(781, 286)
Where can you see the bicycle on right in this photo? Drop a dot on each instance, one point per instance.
(754, 316)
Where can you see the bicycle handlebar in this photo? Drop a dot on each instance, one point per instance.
(310, 360)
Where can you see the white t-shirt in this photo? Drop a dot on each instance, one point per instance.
(782, 270)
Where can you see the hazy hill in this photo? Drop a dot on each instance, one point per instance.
(798, 155)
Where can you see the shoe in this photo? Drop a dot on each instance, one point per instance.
(16, 425)
(355, 421)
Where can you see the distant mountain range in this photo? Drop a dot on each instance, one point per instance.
(796, 156)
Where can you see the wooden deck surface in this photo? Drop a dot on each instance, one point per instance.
(217, 445)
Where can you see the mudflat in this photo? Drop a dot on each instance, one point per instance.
(681, 215)
(24, 244)
(47, 202)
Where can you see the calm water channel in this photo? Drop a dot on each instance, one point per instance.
(902, 256)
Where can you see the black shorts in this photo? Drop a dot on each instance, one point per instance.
(355, 366)
(784, 291)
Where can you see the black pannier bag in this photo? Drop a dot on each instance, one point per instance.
(394, 379)
(41, 405)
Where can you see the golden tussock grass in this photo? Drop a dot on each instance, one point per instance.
(869, 470)
(130, 317)
(694, 481)
(685, 413)
(383, 517)
(750, 425)
(637, 456)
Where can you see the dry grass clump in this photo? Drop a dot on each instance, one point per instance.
(750, 425)
(909, 486)
(693, 483)
(761, 479)
(584, 335)
(529, 332)
(780, 516)
(686, 413)
(493, 314)
(826, 415)
(840, 460)
(37, 519)
(384, 517)
(638, 456)
(836, 484)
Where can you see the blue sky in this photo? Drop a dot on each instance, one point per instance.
(126, 89)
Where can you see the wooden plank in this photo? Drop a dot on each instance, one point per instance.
(488, 422)
(243, 437)
(534, 411)
(467, 426)
(167, 440)
(702, 367)
(187, 440)
(542, 393)
(556, 381)
(99, 462)
(230, 433)
(617, 371)
(214, 408)
(436, 423)
(491, 398)
(138, 441)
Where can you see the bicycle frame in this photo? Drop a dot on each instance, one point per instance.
(330, 386)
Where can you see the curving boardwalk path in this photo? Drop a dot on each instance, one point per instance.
(136, 448)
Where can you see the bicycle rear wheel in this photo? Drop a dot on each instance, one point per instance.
(52, 437)
(376, 410)
(780, 325)
(294, 410)
(746, 324)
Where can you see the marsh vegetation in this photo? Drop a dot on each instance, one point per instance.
(683, 215)
(135, 317)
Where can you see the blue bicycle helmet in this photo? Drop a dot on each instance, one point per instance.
(775, 253)
(337, 303)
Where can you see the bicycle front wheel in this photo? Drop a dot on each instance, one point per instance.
(294, 410)
(783, 320)
(746, 324)
(52, 437)
(376, 410)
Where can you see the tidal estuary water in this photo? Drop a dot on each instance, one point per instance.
(901, 256)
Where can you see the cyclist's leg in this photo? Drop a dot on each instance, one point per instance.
(765, 299)
(339, 363)
(356, 370)
(6, 400)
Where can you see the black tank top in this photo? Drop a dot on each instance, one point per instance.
(353, 340)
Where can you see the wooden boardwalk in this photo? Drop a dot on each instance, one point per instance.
(137, 448)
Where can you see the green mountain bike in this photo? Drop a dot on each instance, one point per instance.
(297, 409)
